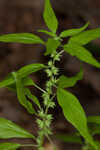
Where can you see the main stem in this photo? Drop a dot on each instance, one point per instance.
(45, 119)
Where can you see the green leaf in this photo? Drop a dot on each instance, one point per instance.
(27, 81)
(25, 38)
(29, 69)
(31, 96)
(81, 53)
(12, 87)
(51, 46)
(9, 146)
(21, 95)
(22, 73)
(22, 98)
(48, 33)
(86, 37)
(98, 145)
(69, 138)
(7, 81)
(74, 113)
(65, 82)
(89, 147)
(49, 17)
(9, 129)
(72, 32)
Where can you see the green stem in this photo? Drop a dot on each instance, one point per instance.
(46, 111)
(39, 88)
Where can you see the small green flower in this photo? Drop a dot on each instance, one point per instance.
(49, 117)
(49, 90)
(51, 104)
(55, 70)
(40, 123)
(53, 54)
(54, 80)
(45, 95)
(57, 57)
(41, 113)
(49, 72)
(50, 63)
(49, 83)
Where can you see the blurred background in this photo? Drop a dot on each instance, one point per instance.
(26, 16)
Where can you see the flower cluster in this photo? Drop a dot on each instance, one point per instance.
(45, 119)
